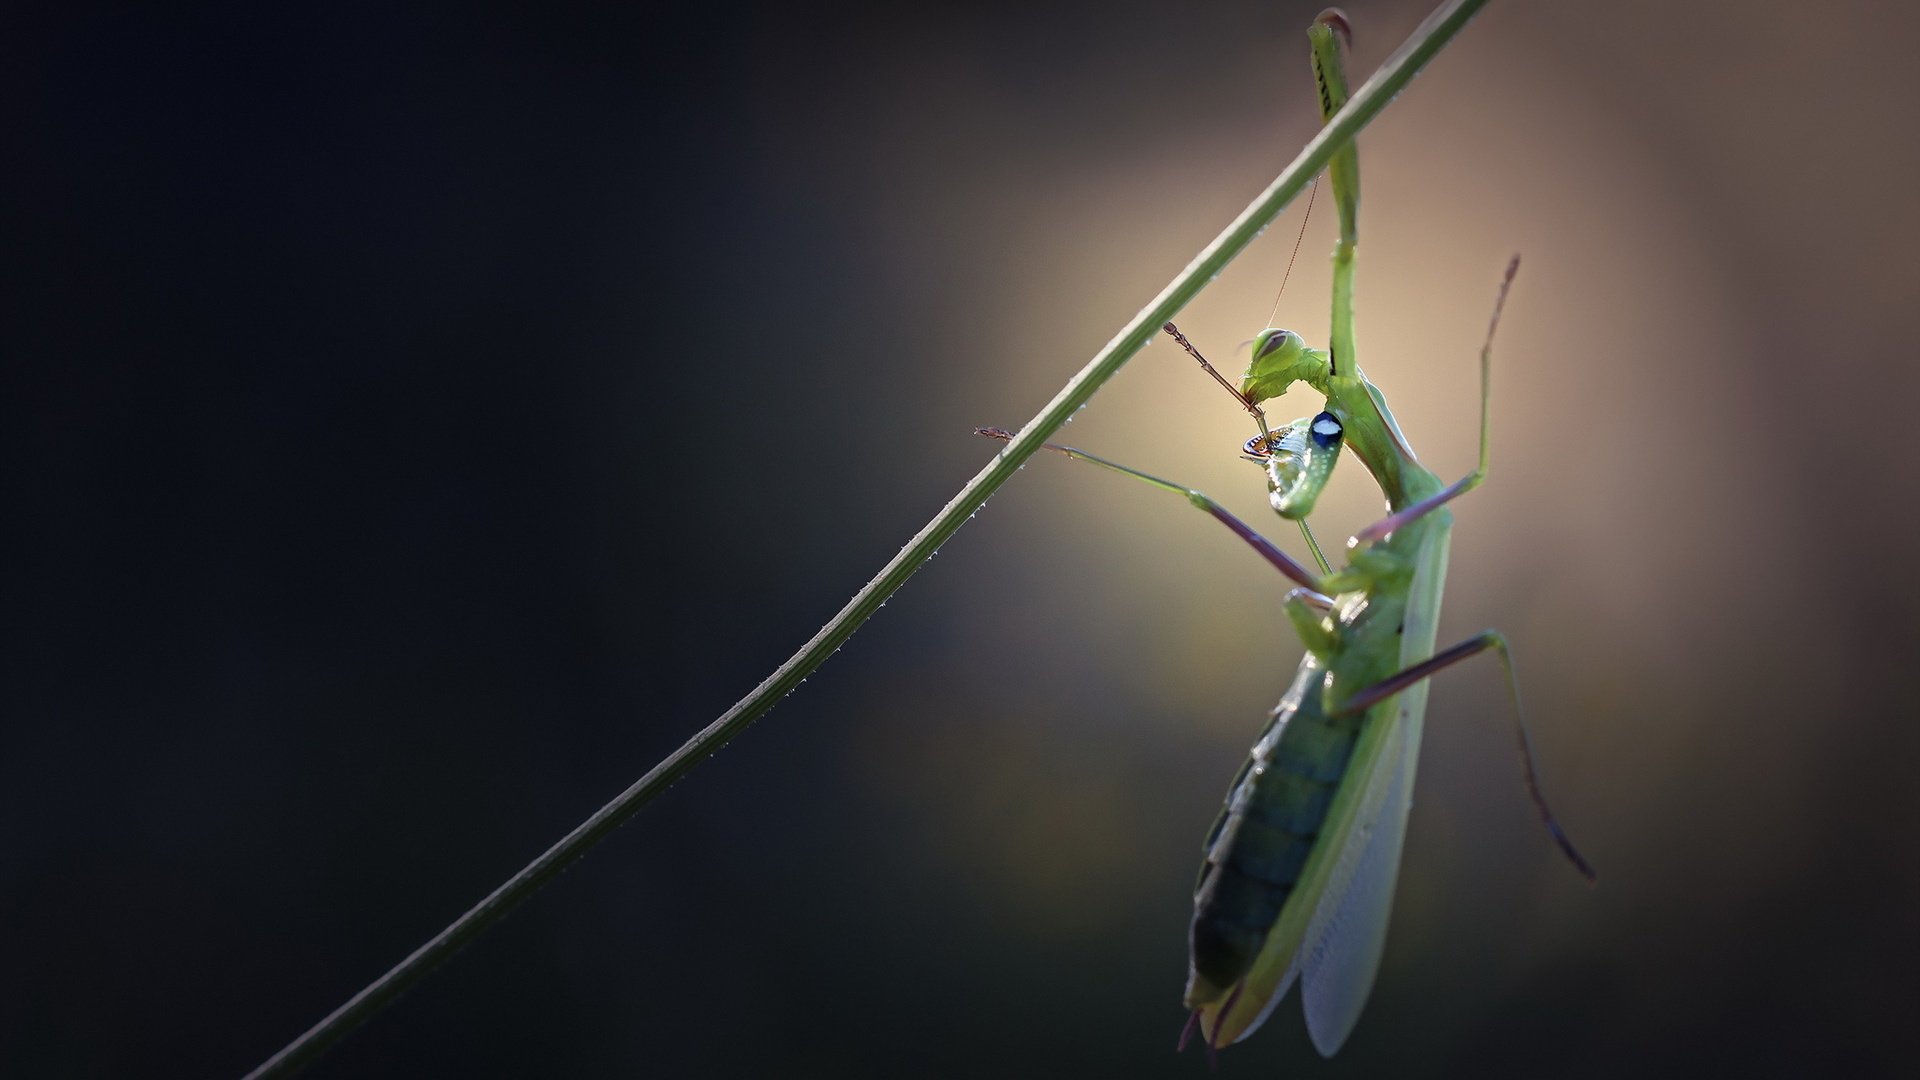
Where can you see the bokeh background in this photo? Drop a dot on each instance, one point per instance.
(415, 425)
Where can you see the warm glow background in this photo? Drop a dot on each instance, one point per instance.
(418, 427)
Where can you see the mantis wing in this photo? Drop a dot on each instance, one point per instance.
(1348, 932)
(1332, 929)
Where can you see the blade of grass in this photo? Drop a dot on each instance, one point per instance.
(1427, 40)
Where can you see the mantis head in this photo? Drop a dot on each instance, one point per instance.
(1280, 359)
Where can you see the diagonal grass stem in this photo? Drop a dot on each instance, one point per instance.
(1400, 68)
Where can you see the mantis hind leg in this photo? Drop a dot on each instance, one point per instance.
(1400, 518)
(1491, 639)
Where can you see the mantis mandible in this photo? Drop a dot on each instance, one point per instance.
(1300, 866)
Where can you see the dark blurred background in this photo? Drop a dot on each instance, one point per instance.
(415, 425)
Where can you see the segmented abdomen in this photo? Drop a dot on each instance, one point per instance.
(1260, 842)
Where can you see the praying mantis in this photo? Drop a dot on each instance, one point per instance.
(1298, 877)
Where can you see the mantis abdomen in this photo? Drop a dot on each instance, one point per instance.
(1261, 840)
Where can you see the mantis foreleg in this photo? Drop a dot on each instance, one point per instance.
(1268, 550)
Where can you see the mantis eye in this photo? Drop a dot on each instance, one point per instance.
(1276, 340)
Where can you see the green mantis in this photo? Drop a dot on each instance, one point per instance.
(1299, 871)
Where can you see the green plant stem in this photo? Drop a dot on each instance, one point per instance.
(1431, 36)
